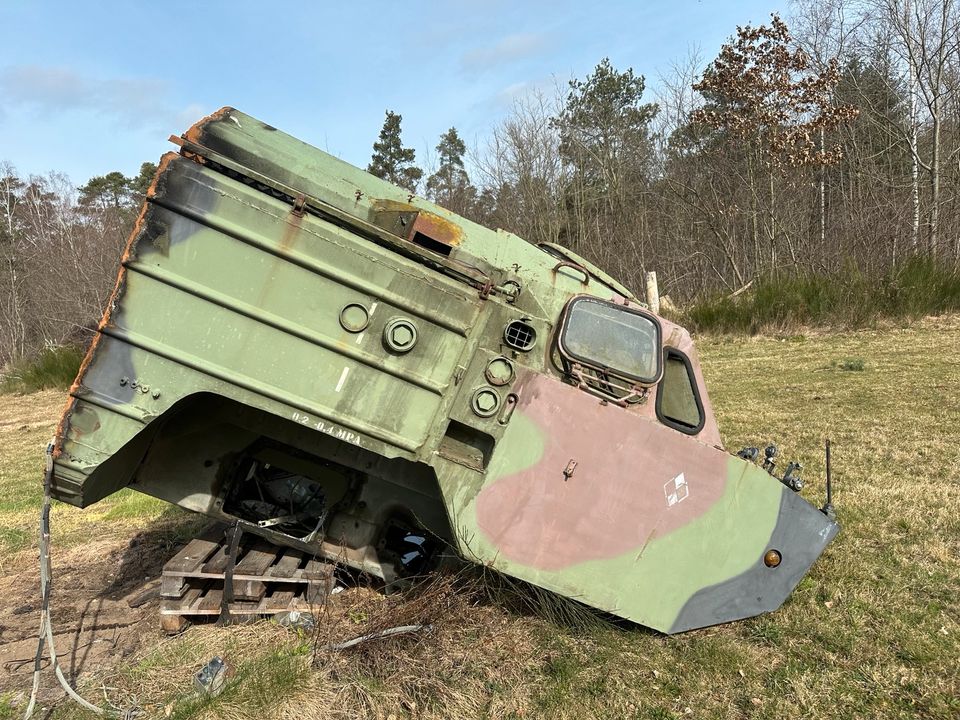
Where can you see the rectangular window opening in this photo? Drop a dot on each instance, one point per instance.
(430, 244)
(678, 399)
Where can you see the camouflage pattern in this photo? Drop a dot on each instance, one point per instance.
(275, 302)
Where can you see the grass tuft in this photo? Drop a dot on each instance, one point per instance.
(849, 364)
(54, 368)
(8, 707)
(849, 299)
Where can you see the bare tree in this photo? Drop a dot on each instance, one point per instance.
(929, 47)
(58, 256)
(523, 172)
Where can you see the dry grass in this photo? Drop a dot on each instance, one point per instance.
(463, 665)
(873, 631)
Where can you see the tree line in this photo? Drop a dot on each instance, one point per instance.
(826, 143)
(60, 248)
(830, 146)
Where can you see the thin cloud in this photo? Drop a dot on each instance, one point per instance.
(515, 92)
(506, 50)
(129, 102)
(511, 93)
(190, 114)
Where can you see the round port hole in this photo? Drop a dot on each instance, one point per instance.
(499, 372)
(354, 318)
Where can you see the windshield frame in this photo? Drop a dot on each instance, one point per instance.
(570, 356)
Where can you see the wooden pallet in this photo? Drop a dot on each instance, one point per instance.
(267, 579)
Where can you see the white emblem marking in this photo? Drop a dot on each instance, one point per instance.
(676, 490)
(343, 379)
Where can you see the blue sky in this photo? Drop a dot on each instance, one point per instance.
(87, 87)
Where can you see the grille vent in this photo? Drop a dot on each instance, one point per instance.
(520, 335)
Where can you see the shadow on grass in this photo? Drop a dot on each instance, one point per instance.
(147, 551)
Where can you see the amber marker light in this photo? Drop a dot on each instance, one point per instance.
(771, 558)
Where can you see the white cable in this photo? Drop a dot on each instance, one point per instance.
(41, 635)
(46, 627)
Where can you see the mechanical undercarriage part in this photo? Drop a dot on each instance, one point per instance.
(264, 490)
(378, 515)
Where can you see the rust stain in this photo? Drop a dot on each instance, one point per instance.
(196, 130)
(394, 206)
(437, 228)
(165, 160)
(284, 246)
(76, 430)
(64, 422)
(293, 223)
(63, 426)
(434, 226)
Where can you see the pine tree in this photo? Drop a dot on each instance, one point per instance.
(105, 192)
(606, 151)
(391, 161)
(605, 128)
(450, 185)
(141, 183)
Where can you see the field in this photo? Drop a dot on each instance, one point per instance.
(873, 631)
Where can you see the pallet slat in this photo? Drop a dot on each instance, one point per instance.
(287, 565)
(193, 555)
(209, 603)
(255, 562)
(320, 577)
(217, 562)
(283, 597)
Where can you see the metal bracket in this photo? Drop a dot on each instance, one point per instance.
(300, 205)
(235, 532)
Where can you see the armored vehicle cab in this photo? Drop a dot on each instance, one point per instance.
(344, 367)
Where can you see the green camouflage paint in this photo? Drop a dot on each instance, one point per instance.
(278, 308)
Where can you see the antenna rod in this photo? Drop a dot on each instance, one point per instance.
(829, 486)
